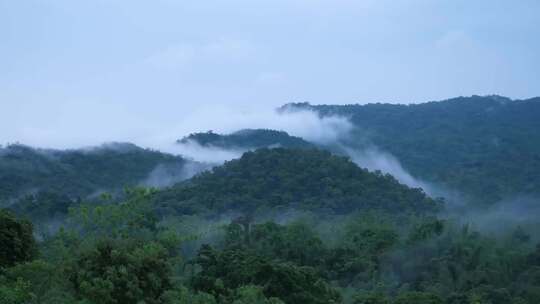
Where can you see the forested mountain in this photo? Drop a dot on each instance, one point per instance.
(291, 178)
(247, 139)
(77, 173)
(287, 223)
(487, 147)
(128, 251)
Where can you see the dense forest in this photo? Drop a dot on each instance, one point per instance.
(484, 146)
(247, 139)
(42, 184)
(289, 222)
(289, 178)
(76, 173)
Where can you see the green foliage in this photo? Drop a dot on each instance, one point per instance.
(43, 282)
(113, 273)
(109, 253)
(426, 229)
(247, 139)
(371, 298)
(418, 298)
(133, 217)
(395, 252)
(366, 235)
(253, 295)
(183, 295)
(76, 173)
(486, 147)
(249, 294)
(17, 242)
(283, 178)
(357, 256)
(43, 206)
(122, 252)
(296, 243)
(224, 271)
(17, 292)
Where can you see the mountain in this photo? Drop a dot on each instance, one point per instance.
(247, 139)
(292, 178)
(298, 225)
(78, 173)
(485, 146)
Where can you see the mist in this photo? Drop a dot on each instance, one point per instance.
(503, 217)
(305, 124)
(374, 159)
(208, 154)
(325, 131)
(167, 175)
(328, 131)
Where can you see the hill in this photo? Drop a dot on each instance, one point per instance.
(292, 178)
(488, 147)
(77, 173)
(247, 139)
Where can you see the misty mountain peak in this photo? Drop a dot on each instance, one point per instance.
(246, 139)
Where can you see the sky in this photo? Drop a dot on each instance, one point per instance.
(77, 73)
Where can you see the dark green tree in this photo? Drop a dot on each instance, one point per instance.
(418, 298)
(122, 273)
(17, 242)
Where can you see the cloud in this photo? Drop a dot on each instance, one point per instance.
(306, 124)
(167, 175)
(330, 130)
(197, 152)
(221, 50)
(504, 216)
(373, 159)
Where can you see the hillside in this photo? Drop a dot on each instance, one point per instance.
(77, 173)
(487, 147)
(289, 178)
(247, 139)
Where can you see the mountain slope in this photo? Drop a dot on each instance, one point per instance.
(290, 178)
(247, 139)
(487, 147)
(77, 172)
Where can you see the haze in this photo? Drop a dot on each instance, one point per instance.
(76, 73)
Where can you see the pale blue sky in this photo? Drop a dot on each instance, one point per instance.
(76, 72)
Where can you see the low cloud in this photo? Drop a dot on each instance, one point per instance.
(328, 131)
(305, 124)
(375, 160)
(505, 216)
(166, 175)
(207, 154)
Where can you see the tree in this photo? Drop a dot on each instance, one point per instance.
(251, 294)
(43, 281)
(17, 242)
(224, 271)
(371, 298)
(418, 298)
(122, 273)
(14, 292)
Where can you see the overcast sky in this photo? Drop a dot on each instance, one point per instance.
(81, 72)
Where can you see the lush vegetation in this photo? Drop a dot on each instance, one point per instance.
(281, 225)
(487, 147)
(25, 171)
(247, 139)
(288, 178)
(125, 252)
(42, 184)
(17, 241)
